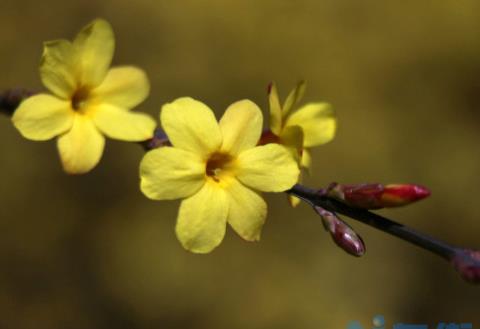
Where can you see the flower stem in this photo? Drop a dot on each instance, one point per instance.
(466, 262)
(10, 99)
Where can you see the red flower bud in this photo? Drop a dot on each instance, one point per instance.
(376, 196)
(342, 234)
(467, 263)
(395, 195)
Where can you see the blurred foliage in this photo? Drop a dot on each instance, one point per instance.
(92, 252)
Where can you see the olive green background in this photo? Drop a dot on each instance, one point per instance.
(404, 77)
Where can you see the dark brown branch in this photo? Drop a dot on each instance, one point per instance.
(11, 98)
(466, 262)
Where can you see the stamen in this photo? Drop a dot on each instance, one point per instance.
(217, 164)
(79, 98)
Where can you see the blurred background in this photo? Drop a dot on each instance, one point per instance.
(93, 252)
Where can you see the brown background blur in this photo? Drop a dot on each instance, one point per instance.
(93, 252)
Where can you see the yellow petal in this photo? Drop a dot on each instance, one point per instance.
(42, 117)
(269, 168)
(125, 87)
(94, 47)
(247, 211)
(241, 126)
(201, 221)
(294, 98)
(191, 125)
(275, 110)
(317, 121)
(293, 200)
(57, 69)
(306, 160)
(292, 137)
(81, 148)
(121, 124)
(169, 173)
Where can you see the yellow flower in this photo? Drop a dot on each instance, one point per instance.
(311, 125)
(217, 169)
(89, 100)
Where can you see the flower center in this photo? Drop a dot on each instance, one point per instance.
(79, 98)
(218, 165)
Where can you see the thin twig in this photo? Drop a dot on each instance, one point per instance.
(11, 98)
(465, 261)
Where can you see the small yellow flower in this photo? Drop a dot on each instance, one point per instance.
(217, 169)
(311, 125)
(89, 100)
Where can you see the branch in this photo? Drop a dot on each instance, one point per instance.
(465, 261)
(11, 98)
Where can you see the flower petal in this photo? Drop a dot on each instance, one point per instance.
(169, 173)
(94, 47)
(293, 200)
(241, 126)
(191, 125)
(247, 211)
(292, 137)
(125, 86)
(121, 124)
(202, 218)
(306, 159)
(294, 97)
(81, 148)
(317, 121)
(42, 117)
(269, 168)
(275, 110)
(57, 69)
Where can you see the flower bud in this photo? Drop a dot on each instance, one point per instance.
(376, 196)
(395, 195)
(342, 234)
(467, 263)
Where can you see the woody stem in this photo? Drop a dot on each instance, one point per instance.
(11, 98)
(466, 262)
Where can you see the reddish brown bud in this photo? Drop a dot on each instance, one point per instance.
(467, 263)
(342, 234)
(376, 196)
(396, 195)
